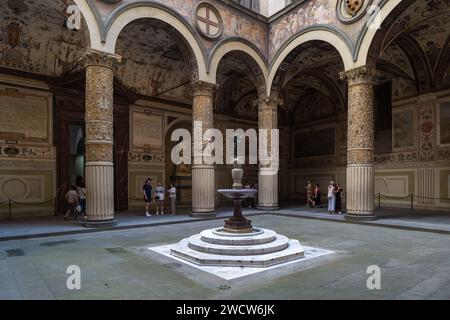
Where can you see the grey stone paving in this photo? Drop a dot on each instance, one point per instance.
(55, 225)
(415, 265)
(433, 221)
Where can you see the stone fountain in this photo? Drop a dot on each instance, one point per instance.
(238, 243)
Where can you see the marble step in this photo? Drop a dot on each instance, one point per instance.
(261, 236)
(293, 251)
(279, 243)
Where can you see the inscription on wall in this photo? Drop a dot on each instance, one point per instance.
(147, 130)
(24, 115)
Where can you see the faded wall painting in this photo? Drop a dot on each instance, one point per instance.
(33, 37)
(444, 113)
(307, 14)
(403, 129)
(314, 143)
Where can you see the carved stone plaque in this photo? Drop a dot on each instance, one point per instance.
(24, 116)
(147, 130)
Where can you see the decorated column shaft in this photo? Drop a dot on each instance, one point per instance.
(360, 143)
(203, 180)
(99, 137)
(267, 177)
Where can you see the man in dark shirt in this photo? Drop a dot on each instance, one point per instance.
(147, 189)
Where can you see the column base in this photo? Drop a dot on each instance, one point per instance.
(99, 223)
(203, 214)
(360, 217)
(268, 208)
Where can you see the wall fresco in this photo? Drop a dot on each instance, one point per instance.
(235, 23)
(309, 14)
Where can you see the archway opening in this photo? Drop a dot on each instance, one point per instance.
(312, 121)
(157, 70)
(241, 83)
(411, 53)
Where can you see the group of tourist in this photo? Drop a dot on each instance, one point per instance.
(312, 195)
(76, 200)
(335, 191)
(334, 196)
(158, 197)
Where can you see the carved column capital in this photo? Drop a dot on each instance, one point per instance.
(98, 58)
(360, 75)
(268, 103)
(202, 88)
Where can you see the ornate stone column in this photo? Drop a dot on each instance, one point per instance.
(99, 137)
(203, 180)
(267, 179)
(360, 143)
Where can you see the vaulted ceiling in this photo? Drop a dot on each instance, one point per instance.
(413, 47)
(311, 88)
(156, 60)
(33, 37)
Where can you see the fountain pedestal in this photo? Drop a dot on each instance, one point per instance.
(238, 244)
(238, 223)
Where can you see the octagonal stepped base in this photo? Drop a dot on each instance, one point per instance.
(262, 248)
(218, 236)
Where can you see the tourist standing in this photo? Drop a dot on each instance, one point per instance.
(147, 189)
(339, 191)
(331, 198)
(82, 196)
(309, 195)
(173, 197)
(72, 201)
(317, 201)
(159, 198)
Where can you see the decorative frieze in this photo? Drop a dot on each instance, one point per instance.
(396, 157)
(30, 152)
(99, 152)
(146, 157)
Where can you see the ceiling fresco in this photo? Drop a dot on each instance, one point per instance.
(417, 43)
(238, 88)
(156, 63)
(34, 38)
(311, 86)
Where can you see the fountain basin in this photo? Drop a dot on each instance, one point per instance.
(237, 193)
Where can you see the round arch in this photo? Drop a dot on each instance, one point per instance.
(235, 45)
(127, 13)
(368, 34)
(90, 18)
(338, 41)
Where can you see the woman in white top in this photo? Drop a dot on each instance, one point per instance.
(331, 197)
(159, 198)
(172, 196)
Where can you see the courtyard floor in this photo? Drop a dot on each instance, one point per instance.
(414, 264)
